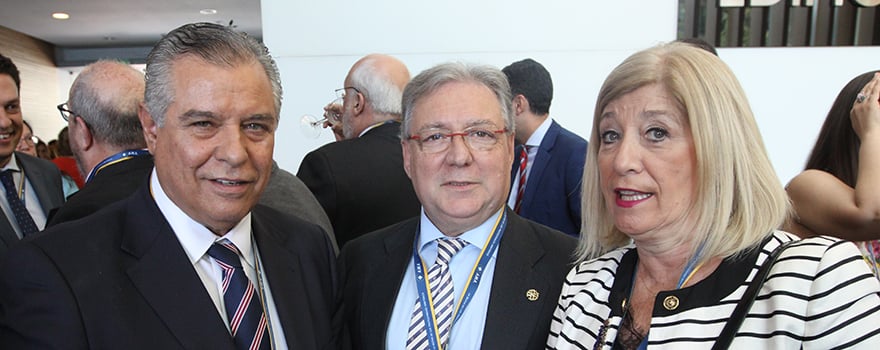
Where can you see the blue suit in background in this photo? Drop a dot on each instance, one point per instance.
(553, 188)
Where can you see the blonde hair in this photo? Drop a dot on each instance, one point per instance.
(739, 197)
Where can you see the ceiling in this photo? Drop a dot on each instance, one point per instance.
(121, 23)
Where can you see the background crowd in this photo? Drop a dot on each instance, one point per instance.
(452, 212)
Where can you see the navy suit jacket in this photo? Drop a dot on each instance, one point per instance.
(530, 256)
(119, 279)
(45, 178)
(553, 188)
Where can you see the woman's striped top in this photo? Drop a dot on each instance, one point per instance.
(819, 294)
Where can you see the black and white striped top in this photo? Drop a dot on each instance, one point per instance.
(819, 294)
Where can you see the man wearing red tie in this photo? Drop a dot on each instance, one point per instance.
(549, 164)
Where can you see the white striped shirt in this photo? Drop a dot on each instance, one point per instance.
(819, 295)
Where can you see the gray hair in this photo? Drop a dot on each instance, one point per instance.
(432, 79)
(106, 95)
(215, 44)
(377, 87)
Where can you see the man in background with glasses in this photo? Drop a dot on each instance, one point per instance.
(469, 273)
(28, 142)
(189, 261)
(105, 136)
(360, 181)
(31, 186)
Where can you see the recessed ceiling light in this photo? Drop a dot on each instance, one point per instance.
(208, 11)
(60, 15)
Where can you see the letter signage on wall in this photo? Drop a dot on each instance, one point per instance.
(744, 23)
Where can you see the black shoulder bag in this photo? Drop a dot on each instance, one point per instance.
(745, 303)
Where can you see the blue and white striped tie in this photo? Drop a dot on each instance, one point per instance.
(247, 322)
(442, 294)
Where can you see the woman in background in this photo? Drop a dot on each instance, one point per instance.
(838, 194)
(27, 144)
(43, 150)
(681, 206)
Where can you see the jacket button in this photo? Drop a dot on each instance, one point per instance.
(671, 302)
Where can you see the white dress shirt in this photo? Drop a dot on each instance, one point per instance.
(533, 142)
(196, 239)
(467, 333)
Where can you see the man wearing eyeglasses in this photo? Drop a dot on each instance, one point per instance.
(28, 142)
(469, 273)
(31, 186)
(360, 181)
(106, 137)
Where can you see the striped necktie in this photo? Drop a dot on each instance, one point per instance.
(247, 322)
(442, 295)
(19, 210)
(521, 188)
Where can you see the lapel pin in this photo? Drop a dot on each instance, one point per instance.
(532, 294)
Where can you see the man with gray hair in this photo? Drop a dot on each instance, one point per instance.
(469, 273)
(189, 261)
(105, 136)
(360, 181)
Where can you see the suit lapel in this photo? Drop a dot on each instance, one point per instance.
(284, 273)
(384, 284)
(39, 183)
(7, 233)
(510, 311)
(515, 169)
(542, 158)
(167, 280)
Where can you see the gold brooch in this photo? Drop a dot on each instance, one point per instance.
(532, 294)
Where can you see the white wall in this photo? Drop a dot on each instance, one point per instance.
(315, 43)
(579, 42)
(791, 90)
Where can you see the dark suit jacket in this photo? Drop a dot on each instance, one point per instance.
(361, 182)
(46, 180)
(119, 279)
(531, 256)
(288, 194)
(110, 185)
(553, 189)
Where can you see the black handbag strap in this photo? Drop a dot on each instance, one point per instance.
(745, 303)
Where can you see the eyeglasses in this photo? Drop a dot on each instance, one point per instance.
(476, 139)
(340, 93)
(33, 140)
(66, 114)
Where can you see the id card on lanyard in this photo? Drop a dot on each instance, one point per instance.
(424, 288)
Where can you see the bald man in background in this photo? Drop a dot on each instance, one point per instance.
(106, 137)
(360, 180)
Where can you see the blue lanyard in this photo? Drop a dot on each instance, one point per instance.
(116, 158)
(425, 298)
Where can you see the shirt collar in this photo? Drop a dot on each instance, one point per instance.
(375, 125)
(12, 165)
(538, 135)
(475, 237)
(195, 237)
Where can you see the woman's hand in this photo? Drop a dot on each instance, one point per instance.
(865, 113)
